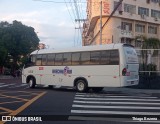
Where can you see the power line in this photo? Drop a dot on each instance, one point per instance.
(53, 1)
(72, 8)
(59, 1)
(69, 12)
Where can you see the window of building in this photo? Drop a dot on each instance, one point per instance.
(126, 26)
(155, 1)
(67, 59)
(95, 58)
(155, 13)
(130, 8)
(59, 59)
(50, 59)
(39, 60)
(44, 59)
(143, 11)
(75, 58)
(140, 28)
(152, 29)
(85, 58)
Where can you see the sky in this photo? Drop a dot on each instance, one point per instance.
(52, 22)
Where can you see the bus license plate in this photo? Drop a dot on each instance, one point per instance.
(132, 82)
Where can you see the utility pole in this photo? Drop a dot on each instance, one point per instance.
(101, 22)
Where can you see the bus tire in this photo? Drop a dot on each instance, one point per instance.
(97, 89)
(81, 86)
(32, 82)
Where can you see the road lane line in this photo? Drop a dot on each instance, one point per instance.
(10, 102)
(15, 97)
(20, 109)
(116, 99)
(6, 109)
(2, 113)
(117, 107)
(114, 112)
(131, 103)
(27, 104)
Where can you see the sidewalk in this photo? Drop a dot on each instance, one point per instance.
(9, 79)
(6, 77)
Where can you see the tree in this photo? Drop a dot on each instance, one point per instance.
(148, 43)
(18, 40)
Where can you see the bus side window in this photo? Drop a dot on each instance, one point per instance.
(105, 57)
(44, 59)
(59, 59)
(50, 59)
(75, 58)
(85, 58)
(114, 58)
(67, 59)
(95, 58)
(39, 60)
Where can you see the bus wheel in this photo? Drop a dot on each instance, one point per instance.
(97, 89)
(81, 86)
(32, 83)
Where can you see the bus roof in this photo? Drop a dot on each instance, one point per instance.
(82, 48)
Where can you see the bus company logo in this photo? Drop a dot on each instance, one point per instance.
(64, 71)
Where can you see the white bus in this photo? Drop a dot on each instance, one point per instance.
(96, 67)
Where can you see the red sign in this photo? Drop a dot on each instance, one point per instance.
(106, 8)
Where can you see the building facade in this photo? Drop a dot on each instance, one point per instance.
(132, 18)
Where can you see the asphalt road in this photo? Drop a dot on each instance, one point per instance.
(64, 105)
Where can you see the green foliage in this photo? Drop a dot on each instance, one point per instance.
(17, 40)
(149, 43)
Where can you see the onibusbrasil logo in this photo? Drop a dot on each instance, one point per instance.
(64, 71)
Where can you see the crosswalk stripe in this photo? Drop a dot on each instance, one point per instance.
(116, 99)
(101, 96)
(18, 86)
(114, 104)
(2, 83)
(118, 107)
(114, 112)
(101, 102)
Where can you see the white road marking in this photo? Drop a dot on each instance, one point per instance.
(6, 85)
(19, 86)
(101, 96)
(131, 103)
(114, 112)
(117, 107)
(116, 99)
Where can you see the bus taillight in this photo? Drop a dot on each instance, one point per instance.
(124, 71)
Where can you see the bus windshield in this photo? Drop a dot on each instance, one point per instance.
(31, 61)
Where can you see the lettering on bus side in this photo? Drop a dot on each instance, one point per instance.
(64, 71)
